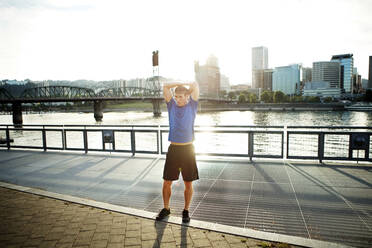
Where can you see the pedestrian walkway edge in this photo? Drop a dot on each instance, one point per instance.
(246, 232)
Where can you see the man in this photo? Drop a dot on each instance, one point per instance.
(182, 110)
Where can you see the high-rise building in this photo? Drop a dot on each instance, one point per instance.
(287, 79)
(268, 79)
(306, 74)
(224, 83)
(260, 58)
(346, 71)
(260, 62)
(370, 73)
(327, 71)
(208, 77)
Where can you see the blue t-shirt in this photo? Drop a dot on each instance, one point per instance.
(181, 121)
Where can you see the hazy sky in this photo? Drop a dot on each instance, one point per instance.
(106, 40)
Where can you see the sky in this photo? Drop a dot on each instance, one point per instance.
(110, 40)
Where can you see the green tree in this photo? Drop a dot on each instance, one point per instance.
(245, 92)
(232, 95)
(241, 98)
(252, 98)
(223, 93)
(314, 99)
(279, 97)
(328, 99)
(267, 96)
(298, 99)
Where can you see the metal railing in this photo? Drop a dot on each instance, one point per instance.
(288, 142)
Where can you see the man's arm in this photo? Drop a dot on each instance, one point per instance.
(194, 89)
(167, 92)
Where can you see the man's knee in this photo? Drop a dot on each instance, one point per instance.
(188, 184)
(167, 184)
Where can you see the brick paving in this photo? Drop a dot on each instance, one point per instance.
(29, 220)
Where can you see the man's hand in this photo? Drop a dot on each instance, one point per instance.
(194, 91)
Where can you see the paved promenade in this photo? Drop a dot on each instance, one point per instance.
(303, 204)
(29, 220)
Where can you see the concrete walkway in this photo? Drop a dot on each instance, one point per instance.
(297, 203)
(29, 220)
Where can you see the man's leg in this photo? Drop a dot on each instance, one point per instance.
(167, 191)
(188, 194)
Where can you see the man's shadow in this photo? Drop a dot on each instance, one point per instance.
(184, 236)
(160, 227)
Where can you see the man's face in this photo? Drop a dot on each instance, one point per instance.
(181, 99)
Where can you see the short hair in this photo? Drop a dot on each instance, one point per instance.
(181, 90)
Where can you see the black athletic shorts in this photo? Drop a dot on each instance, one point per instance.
(180, 158)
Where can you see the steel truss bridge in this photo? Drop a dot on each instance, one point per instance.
(71, 94)
(77, 94)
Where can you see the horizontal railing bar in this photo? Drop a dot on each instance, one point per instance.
(266, 156)
(75, 149)
(331, 127)
(214, 126)
(54, 148)
(303, 157)
(222, 154)
(318, 132)
(33, 147)
(147, 152)
(74, 125)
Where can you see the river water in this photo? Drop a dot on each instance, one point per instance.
(232, 143)
(260, 118)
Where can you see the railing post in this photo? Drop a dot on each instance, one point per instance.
(287, 144)
(7, 137)
(250, 145)
(44, 139)
(321, 147)
(282, 150)
(159, 140)
(85, 139)
(133, 141)
(113, 140)
(350, 150)
(63, 138)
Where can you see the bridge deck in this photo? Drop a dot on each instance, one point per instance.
(323, 202)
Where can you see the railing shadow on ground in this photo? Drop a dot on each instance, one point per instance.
(352, 176)
(328, 188)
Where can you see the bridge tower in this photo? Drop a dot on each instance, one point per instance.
(17, 113)
(98, 110)
(156, 83)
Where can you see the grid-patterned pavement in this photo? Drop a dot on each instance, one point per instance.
(323, 202)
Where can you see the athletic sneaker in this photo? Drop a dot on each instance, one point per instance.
(163, 213)
(185, 216)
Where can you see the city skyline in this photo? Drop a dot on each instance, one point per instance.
(92, 40)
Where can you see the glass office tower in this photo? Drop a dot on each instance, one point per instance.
(346, 74)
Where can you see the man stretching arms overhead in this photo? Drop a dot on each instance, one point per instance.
(182, 110)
